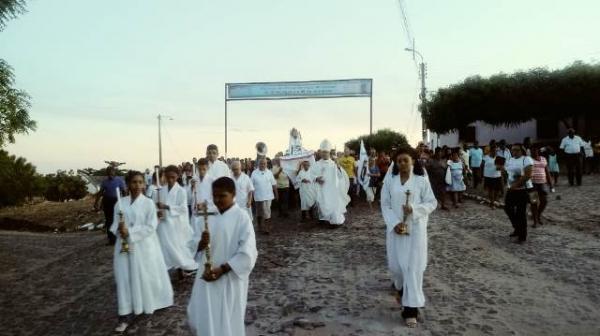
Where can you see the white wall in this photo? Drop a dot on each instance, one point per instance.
(485, 132)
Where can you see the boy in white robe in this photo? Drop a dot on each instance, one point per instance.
(190, 190)
(174, 229)
(331, 184)
(243, 188)
(407, 253)
(219, 296)
(307, 189)
(135, 294)
(216, 167)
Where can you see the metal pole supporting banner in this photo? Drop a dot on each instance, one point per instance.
(226, 120)
(371, 109)
(160, 162)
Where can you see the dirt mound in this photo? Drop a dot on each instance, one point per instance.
(50, 216)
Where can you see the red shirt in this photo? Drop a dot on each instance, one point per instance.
(383, 163)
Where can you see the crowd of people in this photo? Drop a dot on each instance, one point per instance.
(200, 217)
(523, 173)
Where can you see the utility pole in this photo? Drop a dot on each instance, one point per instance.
(423, 103)
(160, 119)
(423, 94)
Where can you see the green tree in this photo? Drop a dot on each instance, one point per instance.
(14, 103)
(383, 140)
(14, 107)
(9, 9)
(508, 100)
(62, 187)
(18, 179)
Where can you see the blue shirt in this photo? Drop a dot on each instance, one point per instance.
(476, 155)
(110, 186)
(374, 179)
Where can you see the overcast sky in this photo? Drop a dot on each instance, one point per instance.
(99, 72)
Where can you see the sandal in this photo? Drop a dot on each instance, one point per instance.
(411, 322)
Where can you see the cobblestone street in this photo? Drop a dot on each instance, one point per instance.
(311, 280)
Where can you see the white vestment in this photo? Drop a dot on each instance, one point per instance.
(218, 308)
(143, 283)
(308, 194)
(407, 254)
(174, 231)
(243, 186)
(332, 195)
(218, 169)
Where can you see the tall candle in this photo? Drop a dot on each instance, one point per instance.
(119, 199)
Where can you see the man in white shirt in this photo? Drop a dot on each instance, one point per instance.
(475, 158)
(243, 188)
(265, 190)
(572, 146)
(503, 151)
(283, 188)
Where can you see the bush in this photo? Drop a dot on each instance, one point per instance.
(382, 140)
(63, 187)
(19, 180)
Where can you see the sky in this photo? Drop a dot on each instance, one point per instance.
(99, 72)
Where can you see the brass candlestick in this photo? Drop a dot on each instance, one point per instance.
(124, 242)
(208, 263)
(403, 226)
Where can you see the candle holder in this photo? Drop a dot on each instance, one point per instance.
(124, 242)
(403, 226)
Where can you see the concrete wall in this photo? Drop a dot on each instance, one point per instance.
(485, 132)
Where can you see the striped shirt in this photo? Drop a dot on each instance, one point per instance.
(539, 171)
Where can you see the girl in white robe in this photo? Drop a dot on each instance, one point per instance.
(332, 185)
(407, 254)
(174, 231)
(143, 283)
(218, 302)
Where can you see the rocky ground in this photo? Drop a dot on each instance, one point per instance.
(311, 280)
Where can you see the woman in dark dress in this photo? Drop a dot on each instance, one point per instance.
(436, 170)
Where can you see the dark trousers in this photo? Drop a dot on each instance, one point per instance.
(574, 167)
(476, 176)
(515, 206)
(352, 191)
(284, 201)
(108, 206)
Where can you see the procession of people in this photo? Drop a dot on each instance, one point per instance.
(199, 218)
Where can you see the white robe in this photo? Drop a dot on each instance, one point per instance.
(308, 193)
(218, 308)
(332, 195)
(218, 169)
(407, 254)
(174, 231)
(243, 186)
(143, 283)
